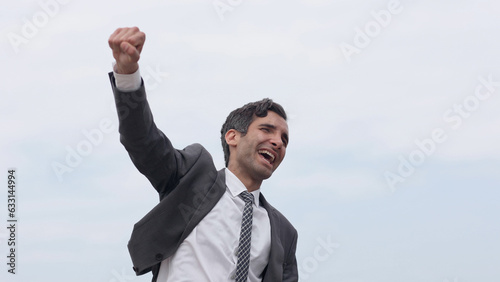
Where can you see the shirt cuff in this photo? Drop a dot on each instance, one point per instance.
(127, 82)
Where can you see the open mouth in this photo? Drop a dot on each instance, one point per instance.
(267, 155)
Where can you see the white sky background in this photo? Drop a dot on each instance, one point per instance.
(351, 121)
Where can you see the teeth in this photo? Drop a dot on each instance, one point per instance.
(267, 153)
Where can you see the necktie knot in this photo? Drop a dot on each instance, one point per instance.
(247, 197)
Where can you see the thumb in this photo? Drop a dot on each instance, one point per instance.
(130, 50)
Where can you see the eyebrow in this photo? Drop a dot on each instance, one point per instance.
(285, 136)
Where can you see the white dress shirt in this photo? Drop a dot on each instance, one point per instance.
(209, 251)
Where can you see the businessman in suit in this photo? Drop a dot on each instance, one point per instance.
(209, 225)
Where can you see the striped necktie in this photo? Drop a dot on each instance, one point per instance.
(245, 238)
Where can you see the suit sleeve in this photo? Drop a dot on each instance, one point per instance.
(150, 150)
(290, 271)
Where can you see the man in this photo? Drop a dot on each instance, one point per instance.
(209, 225)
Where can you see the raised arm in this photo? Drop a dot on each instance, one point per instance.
(150, 150)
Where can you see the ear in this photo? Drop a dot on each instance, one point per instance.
(232, 137)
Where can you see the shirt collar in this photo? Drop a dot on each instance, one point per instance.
(235, 187)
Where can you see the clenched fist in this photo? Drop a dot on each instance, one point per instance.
(127, 44)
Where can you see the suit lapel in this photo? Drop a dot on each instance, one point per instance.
(209, 200)
(274, 269)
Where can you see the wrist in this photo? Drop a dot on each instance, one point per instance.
(129, 69)
(127, 82)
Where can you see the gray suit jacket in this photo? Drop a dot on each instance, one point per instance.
(189, 186)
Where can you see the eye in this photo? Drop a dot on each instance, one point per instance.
(265, 129)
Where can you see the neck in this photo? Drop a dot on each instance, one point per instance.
(250, 184)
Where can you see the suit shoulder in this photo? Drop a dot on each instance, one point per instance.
(194, 160)
(195, 153)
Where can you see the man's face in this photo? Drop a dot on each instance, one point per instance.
(259, 153)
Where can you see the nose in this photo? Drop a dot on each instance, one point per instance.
(277, 142)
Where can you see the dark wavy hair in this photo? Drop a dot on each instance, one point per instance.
(241, 118)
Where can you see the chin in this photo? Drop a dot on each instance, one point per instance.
(265, 175)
